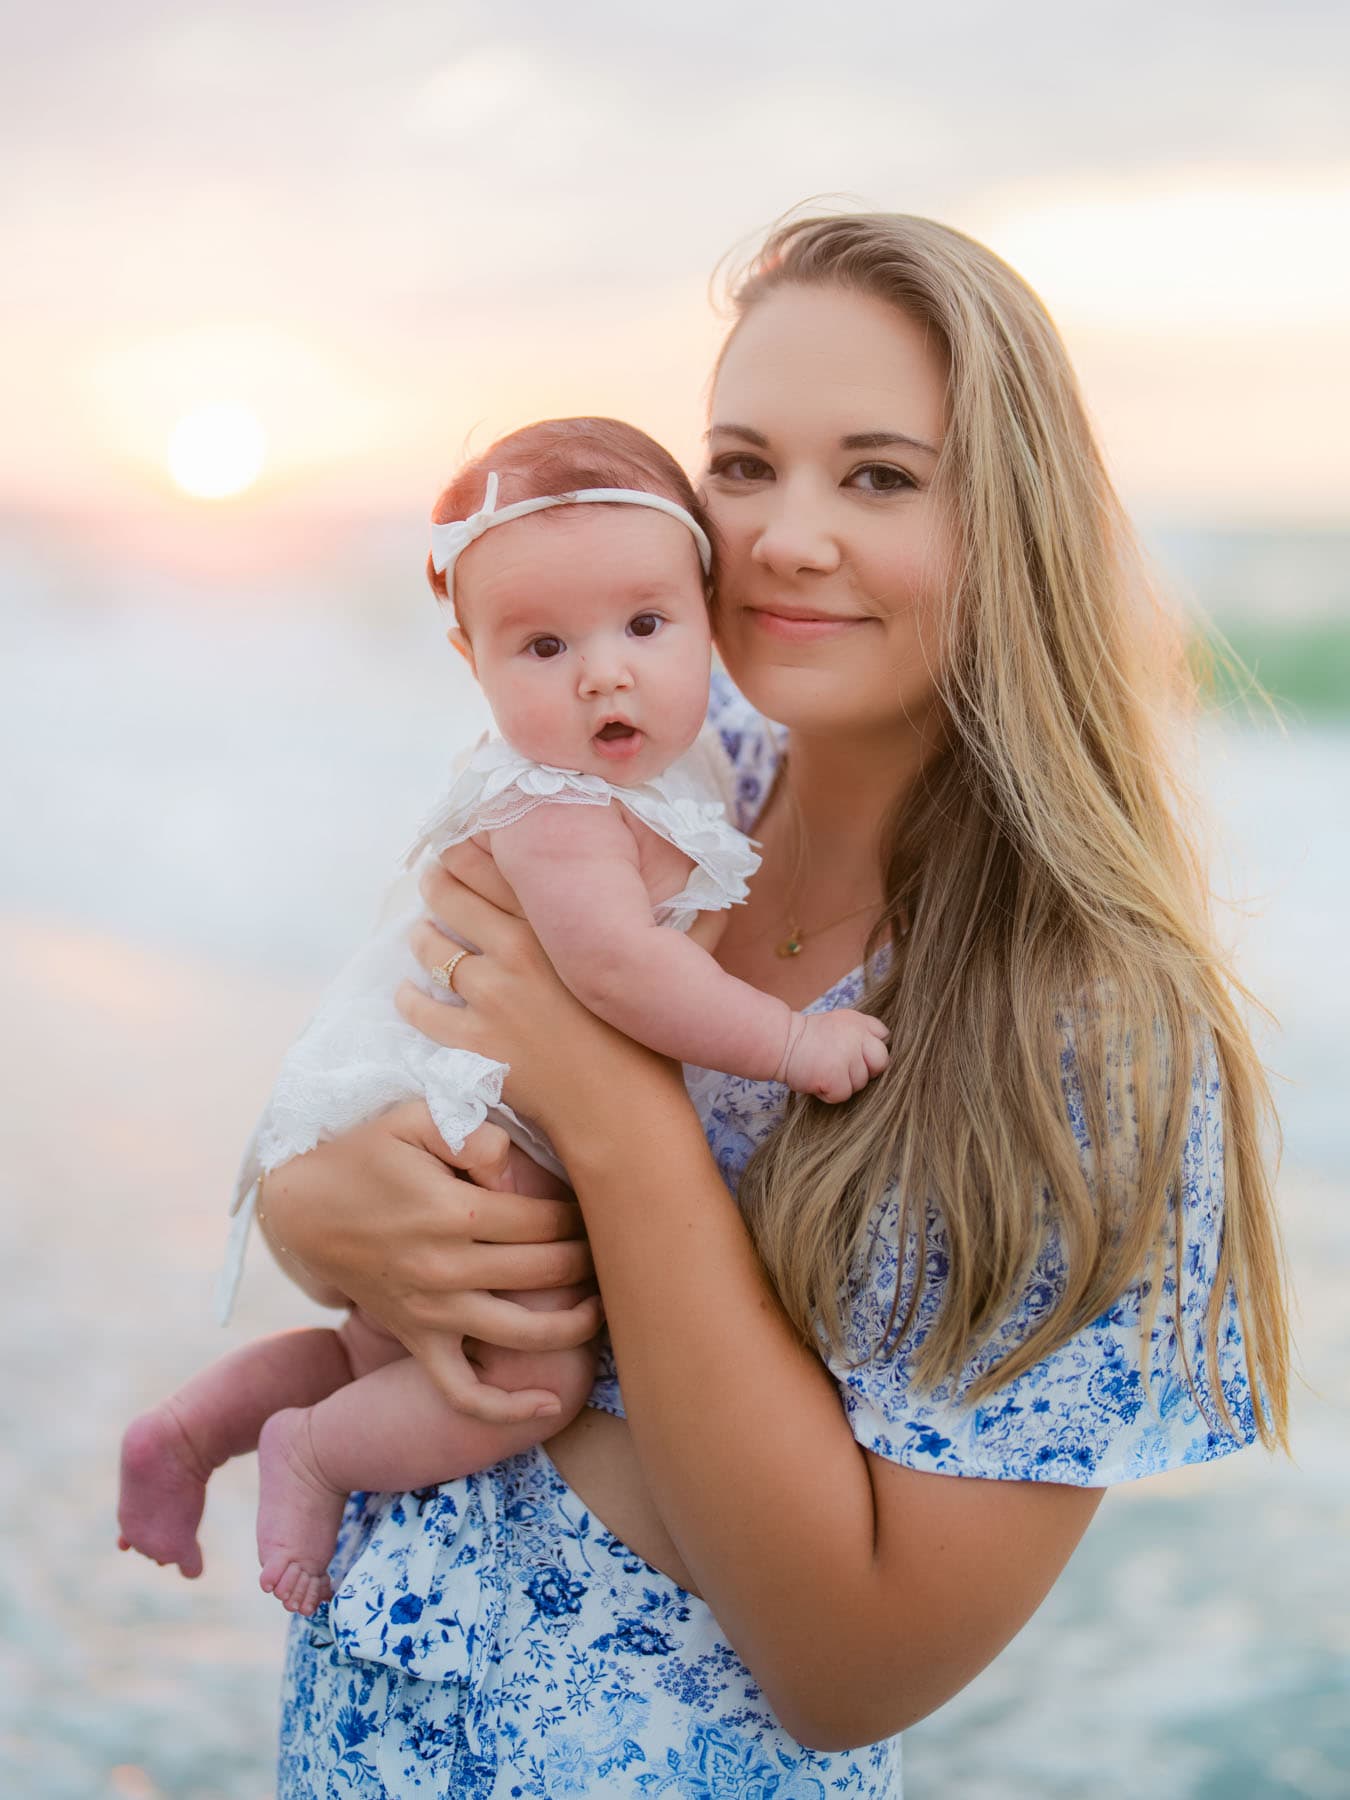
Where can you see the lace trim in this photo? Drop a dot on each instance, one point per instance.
(498, 787)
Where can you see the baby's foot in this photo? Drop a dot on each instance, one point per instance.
(163, 1491)
(298, 1514)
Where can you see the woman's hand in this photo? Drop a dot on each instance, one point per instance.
(565, 1063)
(381, 1215)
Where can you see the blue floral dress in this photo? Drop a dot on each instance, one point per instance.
(489, 1638)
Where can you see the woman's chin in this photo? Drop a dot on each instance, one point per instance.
(857, 689)
(795, 693)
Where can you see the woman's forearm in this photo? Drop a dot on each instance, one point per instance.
(739, 1427)
(861, 1594)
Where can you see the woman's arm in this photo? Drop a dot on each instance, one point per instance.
(378, 1218)
(860, 1594)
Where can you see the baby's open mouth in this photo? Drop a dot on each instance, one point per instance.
(618, 742)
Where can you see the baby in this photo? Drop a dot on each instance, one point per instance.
(586, 623)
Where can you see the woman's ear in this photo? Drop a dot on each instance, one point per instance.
(461, 643)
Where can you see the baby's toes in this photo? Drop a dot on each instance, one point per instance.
(298, 1590)
(314, 1590)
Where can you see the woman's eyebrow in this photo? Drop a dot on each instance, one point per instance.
(878, 440)
(740, 431)
(856, 440)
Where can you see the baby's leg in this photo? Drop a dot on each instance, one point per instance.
(391, 1431)
(168, 1454)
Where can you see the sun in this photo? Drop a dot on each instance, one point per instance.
(216, 452)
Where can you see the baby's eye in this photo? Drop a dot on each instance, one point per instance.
(881, 478)
(741, 466)
(543, 648)
(646, 625)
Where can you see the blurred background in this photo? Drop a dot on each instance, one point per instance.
(269, 270)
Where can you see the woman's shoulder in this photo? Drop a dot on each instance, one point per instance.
(1128, 1394)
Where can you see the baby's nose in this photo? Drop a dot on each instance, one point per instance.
(605, 674)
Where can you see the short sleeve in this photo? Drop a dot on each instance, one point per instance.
(1104, 1407)
(753, 745)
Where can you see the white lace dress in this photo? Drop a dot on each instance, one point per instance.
(357, 1056)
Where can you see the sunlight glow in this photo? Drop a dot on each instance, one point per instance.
(216, 452)
(1208, 250)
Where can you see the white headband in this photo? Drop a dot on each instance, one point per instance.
(450, 539)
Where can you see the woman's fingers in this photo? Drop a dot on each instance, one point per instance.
(524, 1266)
(507, 1217)
(536, 1231)
(476, 869)
(452, 1026)
(522, 1221)
(444, 1360)
(434, 1300)
(433, 949)
(494, 1320)
(466, 914)
(485, 1157)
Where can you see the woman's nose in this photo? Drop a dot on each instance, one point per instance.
(796, 534)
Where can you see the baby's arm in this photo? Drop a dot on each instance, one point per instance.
(577, 875)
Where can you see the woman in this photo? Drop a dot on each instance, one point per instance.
(1037, 1254)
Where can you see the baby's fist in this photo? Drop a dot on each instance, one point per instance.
(833, 1054)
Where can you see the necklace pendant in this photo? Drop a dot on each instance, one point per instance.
(791, 946)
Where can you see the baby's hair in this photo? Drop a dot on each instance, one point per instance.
(562, 456)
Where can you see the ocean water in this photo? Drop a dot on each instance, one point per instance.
(204, 803)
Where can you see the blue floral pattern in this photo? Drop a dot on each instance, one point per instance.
(490, 1639)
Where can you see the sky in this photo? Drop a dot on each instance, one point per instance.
(392, 232)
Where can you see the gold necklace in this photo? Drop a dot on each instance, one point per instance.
(795, 941)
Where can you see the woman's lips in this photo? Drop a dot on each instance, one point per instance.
(796, 628)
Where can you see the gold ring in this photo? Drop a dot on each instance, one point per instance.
(444, 973)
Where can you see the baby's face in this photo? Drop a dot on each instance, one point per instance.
(589, 633)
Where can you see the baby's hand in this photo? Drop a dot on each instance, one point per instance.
(833, 1054)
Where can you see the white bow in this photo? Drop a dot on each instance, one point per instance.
(448, 540)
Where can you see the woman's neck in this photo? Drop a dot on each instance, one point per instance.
(842, 791)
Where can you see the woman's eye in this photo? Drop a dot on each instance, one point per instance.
(881, 478)
(742, 467)
(545, 647)
(646, 625)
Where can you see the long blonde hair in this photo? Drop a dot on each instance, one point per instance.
(1043, 898)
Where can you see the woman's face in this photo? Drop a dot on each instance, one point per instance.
(827, 419)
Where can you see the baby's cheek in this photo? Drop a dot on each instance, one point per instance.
(695, 696)
(537, 726)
